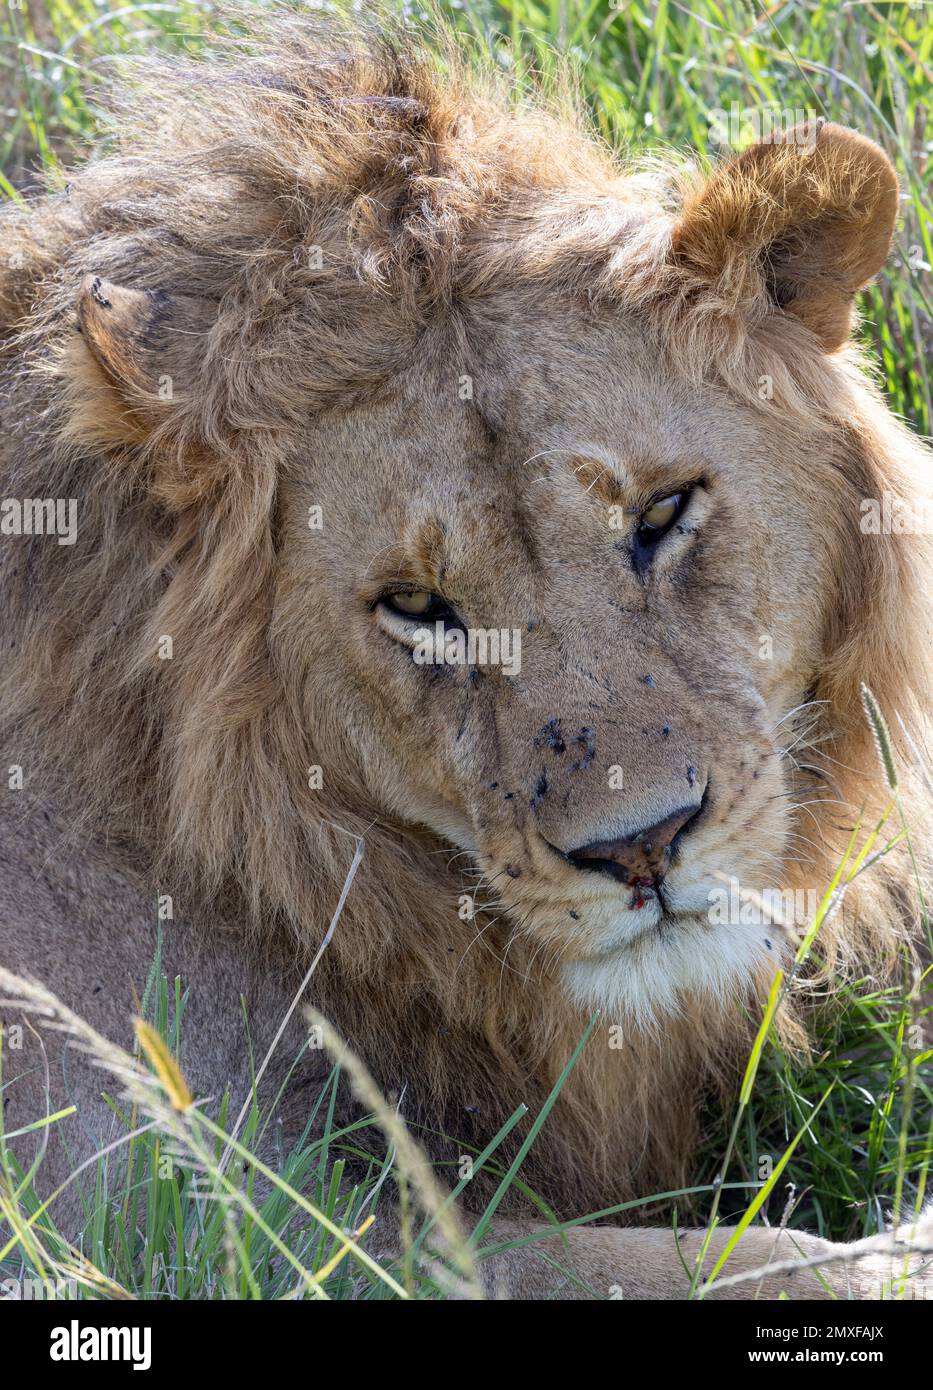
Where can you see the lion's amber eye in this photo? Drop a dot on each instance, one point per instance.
(661, 514)
(416, 603)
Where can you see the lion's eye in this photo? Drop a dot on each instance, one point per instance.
(415, 603)
(661, 516)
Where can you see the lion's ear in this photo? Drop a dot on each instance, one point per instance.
(806, 219)
(146, 343)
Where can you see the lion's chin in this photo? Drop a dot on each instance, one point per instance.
(645, 978)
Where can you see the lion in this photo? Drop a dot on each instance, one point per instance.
(345, 357)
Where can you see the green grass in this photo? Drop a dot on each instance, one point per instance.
(182, 1208)
(652, 71)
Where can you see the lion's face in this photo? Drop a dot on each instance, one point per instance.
(646, 554)
(480, 402)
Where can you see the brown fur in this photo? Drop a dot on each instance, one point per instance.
(459, 236)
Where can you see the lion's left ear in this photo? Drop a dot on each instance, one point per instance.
(799, 223)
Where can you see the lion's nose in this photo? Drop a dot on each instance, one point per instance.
(639, 859)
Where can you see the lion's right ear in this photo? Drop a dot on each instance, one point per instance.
(144, 346)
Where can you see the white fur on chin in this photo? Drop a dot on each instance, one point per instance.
(644, 980)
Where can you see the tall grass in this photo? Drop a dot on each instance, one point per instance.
(859, 1119)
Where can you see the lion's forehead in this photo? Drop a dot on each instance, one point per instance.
(545, 454)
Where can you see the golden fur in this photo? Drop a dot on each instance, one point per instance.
(460, 235)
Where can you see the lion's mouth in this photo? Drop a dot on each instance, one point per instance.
(601, 928)
(641, 918)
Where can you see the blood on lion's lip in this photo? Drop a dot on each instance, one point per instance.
(642, 896)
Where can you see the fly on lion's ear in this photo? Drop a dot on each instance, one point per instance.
(117, 324)
(143, 340)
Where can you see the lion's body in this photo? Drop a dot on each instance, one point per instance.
(81, 894)
(379, 293)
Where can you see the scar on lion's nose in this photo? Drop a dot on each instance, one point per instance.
(641, 858)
